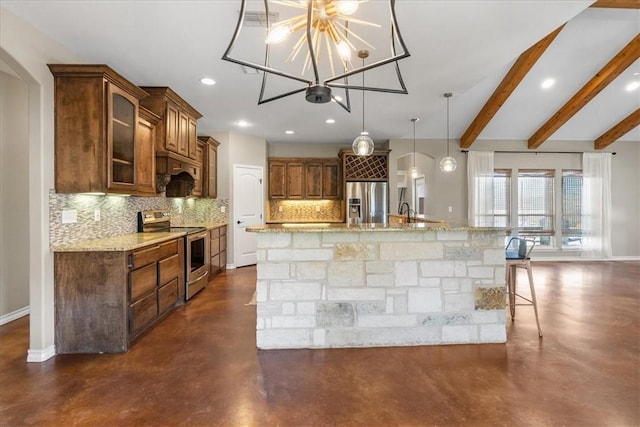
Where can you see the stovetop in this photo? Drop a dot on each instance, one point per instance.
(153, 221)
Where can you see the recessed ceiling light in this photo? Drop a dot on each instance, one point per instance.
(330, 121)
(207, 81)
(547, 83)
(632, 86)
(242, 123)
(289, 132)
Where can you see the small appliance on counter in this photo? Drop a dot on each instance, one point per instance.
(196, 247)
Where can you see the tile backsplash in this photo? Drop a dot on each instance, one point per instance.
(279, 211)
(118, 214)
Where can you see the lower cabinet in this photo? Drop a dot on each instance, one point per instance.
(218, 250)
(105, 300)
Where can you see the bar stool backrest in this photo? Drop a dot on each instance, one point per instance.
(519, 248)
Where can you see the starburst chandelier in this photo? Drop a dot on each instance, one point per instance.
(311, 43)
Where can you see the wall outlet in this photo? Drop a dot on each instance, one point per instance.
(223, 209)
(450, 208)
(70, 216)
(97, 215)
(279, 208)
(317, 208)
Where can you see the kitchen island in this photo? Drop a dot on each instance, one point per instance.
(340, 285)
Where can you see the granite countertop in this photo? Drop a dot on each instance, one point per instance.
(402, 218)
(127, 242)
(460, 225)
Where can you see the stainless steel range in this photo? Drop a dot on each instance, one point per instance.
(196, 247)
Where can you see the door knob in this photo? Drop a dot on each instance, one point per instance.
(240, 222)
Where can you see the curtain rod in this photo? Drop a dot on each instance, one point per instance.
(536, 152)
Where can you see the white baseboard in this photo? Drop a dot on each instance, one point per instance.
(10, 317)
(231, 266)
(41, 355)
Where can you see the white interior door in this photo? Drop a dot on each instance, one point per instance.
(248, 205)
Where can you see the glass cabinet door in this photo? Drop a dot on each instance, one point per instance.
(122, 114)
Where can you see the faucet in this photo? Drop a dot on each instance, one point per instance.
(408, 211)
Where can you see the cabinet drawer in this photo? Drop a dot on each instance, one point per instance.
(143, 257)
(214, 265)
(142, 281)
(142, 313)
(168, 296)
(214, 246)
(169, 269)
(223, 260)
(168, 248)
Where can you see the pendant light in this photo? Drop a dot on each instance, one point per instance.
(448, 164)
(414, 171)
(363, 144)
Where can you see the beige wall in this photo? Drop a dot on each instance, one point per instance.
(27, 51)
(237, 149)
(14, 196)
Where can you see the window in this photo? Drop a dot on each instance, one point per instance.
(571, 207)
(535, 204)
(501, 197)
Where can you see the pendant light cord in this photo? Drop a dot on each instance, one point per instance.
(363, 91)
(414, 142)
(448, 124)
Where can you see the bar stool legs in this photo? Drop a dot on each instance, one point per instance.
(511, 274)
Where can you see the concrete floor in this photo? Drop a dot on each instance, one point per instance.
(200, 367)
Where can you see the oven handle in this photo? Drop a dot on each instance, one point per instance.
(200, 277)
(197, 236)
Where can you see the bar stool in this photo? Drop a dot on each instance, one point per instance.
(518, 255)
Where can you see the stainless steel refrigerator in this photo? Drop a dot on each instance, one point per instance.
(367, 202)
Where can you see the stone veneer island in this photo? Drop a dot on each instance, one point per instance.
(338, 285)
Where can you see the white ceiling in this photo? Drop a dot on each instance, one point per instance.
(464, 47)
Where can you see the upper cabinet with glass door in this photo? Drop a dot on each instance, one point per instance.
(97, 148)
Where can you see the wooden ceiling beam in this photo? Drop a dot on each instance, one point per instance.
(610, 136)
(506, 87)
(627, 56)
(618, 4)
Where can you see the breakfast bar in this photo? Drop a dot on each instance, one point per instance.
(368, 285)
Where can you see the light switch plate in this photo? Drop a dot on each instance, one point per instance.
(70, 216)
(223, 209)
(97, 215)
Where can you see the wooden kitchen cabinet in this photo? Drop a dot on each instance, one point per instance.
(313, 180)
(146, 171)
(98, 147)
(305, 178)
(295, 180)
(210, 169)
(277, 179)
(217, 250)
(105, 300)
(198, 184)
(178, 121)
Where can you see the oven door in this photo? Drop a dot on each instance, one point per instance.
(197, 262)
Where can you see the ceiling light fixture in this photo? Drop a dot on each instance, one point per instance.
(363, 144)
(448, 164)
(414, 171)
(207, 81)
(330, 121)
(289, 132)
(326, 29)
(547, 83)
(242, 123)
(632, 86)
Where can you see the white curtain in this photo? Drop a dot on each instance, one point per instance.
(480, 188)
(596, 205)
